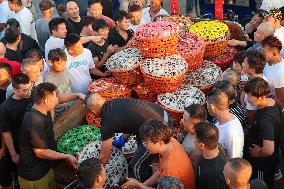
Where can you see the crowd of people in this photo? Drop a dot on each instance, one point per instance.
(233, 141)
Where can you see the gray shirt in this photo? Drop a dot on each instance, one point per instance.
(42, 31)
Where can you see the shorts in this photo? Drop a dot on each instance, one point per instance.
(46, 182)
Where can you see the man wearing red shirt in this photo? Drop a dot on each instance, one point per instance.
(16, 66)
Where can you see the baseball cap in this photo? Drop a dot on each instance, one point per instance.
(275, 13)
(45, 5)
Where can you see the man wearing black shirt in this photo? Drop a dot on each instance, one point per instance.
(126, 116)
(210, 167)
(262, 144)
(74, 21)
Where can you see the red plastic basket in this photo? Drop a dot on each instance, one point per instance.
(92, 119)
(143, 93)
(129, 77)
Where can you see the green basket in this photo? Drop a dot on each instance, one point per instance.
(77, 138)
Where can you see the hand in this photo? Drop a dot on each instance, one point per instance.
(15, 158)
(110, 50)
(233, 42)
(106, 74)
(2, 152)
(81, 96)
(71, 160)
(255, 150)
(130, 183)
(97, 39)
(155, 167)
(242, 85)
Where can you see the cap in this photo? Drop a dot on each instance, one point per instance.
(275, 13)
(45, 5)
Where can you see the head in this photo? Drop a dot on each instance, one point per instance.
(88, 25)
(95, 8)
(263, 30)
(12, 22)
(230, 75)
(72, 9)
(207, 136)
(256, 20)
(46, 7)
(237, 172)
(282, 12)
(73, 44)
(227, 88)
(238, 60)
(122, 20)
(217, 102)
(155, 135)
(57, 59)
(135, 12)
(12, 35)
(155, 5)
(257, 90)
(91, 173)
(30, 67)
(94, 102)
(254, 62)
(274, 17)
(170, 182)
(36, 55)
(192, 115)
(271, 47)
(45, 96)
(100, 28)
(57, 27)
(14, 4)
(5, 73)
(22, 86)
(2, 50)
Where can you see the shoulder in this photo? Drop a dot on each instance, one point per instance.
(86, 52)
(146, 10)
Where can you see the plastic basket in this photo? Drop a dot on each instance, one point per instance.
(143, 93)
(92, 119)
(129, 77)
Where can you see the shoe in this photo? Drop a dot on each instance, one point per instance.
(278, 175)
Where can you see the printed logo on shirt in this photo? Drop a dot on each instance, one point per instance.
(76, 64)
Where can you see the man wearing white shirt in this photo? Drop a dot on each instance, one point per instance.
(24, 17)
(267, 5)
(155, 9)
(136, 20)
(6, 14)
(231, 135)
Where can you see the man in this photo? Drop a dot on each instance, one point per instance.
(91, 173)
(210, 166)
(6, 14)
(16, 66)
(42, 29)
(231, 132)
(135, 12)
(155, 9)
(5, 79)
(157, 138)
(24, 17)
(237, 173)
(37, 144)
(74, 21)
(262, 144)
(115, 114)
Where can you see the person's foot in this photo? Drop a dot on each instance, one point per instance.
(278, 175)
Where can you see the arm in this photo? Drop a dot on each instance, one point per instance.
(153, 180)
(280, 95)
(234, 42)
(3, 148)
(87, 39)
(266, 150)
(67, 97)
(8, 140)
(109, 52)
(132, 183)
(97, 72)
(106, 150)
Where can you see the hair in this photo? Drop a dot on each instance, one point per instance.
(256, 60)
(258, 87)
(88, 20)
(232, 76)
(12, 34)
(266, 28)
(91, 2)
(227, 88)
(57, 55)
(121, 15)
(7, 67)
(12, 22)
(20, 79)
(42, 90)
(272, 42)
(71, 39)
(18, 2)
(27, 62)
(88, 171)
(240, 57)
(99, 24)
(34, 54)
(208, 134)
(53, 23)
(196, 111)
(218, 98)
(135, 8)
(170, 182)
(239, 168)
(260, 13)
(155, 131)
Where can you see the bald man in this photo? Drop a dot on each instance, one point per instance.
(16, 66)
(74, 21)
